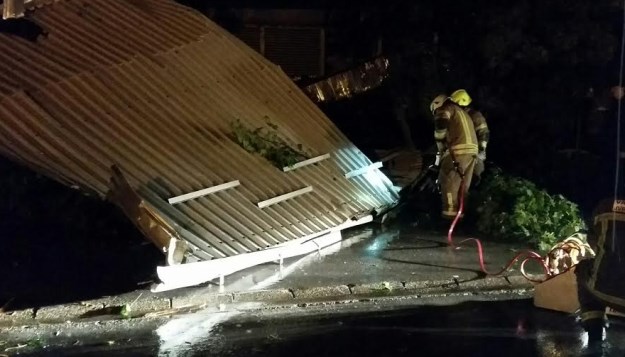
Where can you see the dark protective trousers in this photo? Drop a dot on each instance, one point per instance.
(601, 280)
(450, 180)
(592, 308)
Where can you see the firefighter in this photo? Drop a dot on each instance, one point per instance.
(457, 151)
(600, 279)
(462, 98)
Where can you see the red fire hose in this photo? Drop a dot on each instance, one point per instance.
(527, 255)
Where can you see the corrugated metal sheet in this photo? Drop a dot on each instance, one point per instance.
(365, 77)
(152, 87)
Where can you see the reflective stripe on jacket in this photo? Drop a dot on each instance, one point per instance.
(454, 130)
(607, 278)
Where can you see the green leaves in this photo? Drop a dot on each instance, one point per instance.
(266, 142)
(513, 209)
(125, 312)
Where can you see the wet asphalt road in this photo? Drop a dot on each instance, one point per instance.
(372, 255)
(503, 328)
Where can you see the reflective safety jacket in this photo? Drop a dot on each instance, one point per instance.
(454, 130)
(607, 278)
(481, 128)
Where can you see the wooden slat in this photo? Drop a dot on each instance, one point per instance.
(203, 192)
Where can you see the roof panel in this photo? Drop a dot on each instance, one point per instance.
(153, 87)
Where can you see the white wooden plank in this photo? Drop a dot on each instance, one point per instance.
(203, 192)
(286, 196)
(306, 163)
(363, 170)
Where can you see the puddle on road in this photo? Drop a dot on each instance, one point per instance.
(381, 242)
(505, 328)
(508, 328)
(180, 336)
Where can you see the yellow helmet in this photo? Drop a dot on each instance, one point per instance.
(438, 102)
(461, 97)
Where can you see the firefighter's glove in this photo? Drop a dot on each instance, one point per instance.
(432, 171)
(481, 155)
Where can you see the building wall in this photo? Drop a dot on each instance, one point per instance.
(293, 39)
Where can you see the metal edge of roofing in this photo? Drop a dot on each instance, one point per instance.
(190, 274)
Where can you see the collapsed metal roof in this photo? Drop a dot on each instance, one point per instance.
(145, 91)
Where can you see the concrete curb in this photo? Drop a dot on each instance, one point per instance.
(148, 304)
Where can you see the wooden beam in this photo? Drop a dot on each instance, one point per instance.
(203, 192)
(286, 196)
(363, 170)
(306, 162)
